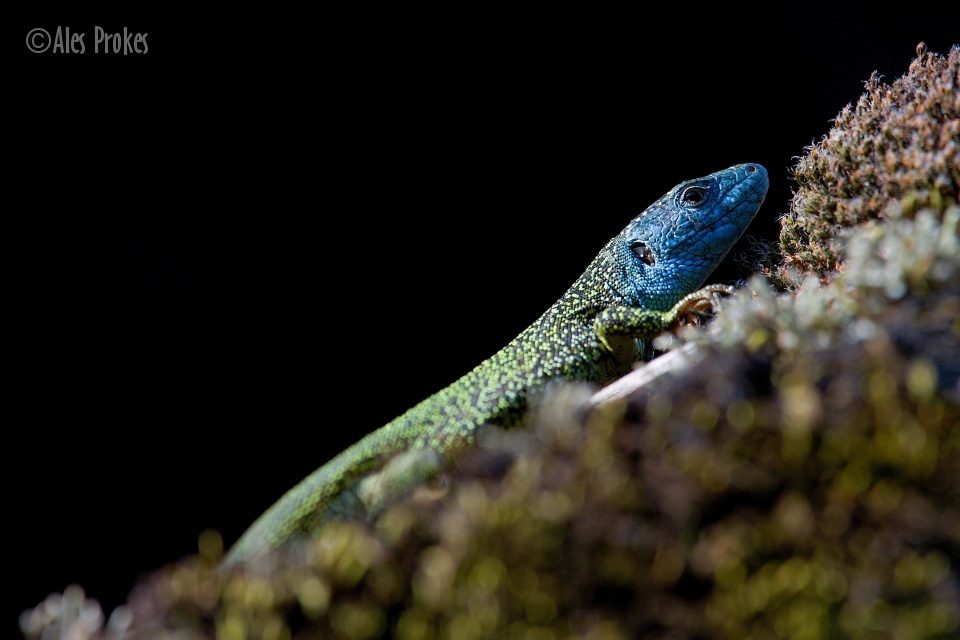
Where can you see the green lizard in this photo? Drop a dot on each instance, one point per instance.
(642, 281)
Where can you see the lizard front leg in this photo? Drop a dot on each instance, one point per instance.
(619, 328)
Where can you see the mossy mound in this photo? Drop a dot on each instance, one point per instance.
(901, 141)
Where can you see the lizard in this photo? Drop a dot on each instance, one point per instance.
(644, 280)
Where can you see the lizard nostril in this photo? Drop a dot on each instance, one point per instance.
(750, 168)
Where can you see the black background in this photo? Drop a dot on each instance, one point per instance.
(229, 258)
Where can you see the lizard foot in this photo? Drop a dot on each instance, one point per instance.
(401, 475)
(697, 307)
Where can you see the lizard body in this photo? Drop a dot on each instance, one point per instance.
(637, 286)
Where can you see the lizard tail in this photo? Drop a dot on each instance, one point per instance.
(310, 502)
(330, 491)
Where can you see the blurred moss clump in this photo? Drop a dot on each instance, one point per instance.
(901, 142)
(802, 481)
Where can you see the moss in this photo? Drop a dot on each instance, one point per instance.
(901, 142)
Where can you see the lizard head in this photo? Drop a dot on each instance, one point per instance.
(673, 246)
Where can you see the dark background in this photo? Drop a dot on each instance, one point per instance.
(231, 257)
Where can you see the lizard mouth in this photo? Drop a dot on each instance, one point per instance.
(746, 191)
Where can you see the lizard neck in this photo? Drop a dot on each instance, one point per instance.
(562, 343)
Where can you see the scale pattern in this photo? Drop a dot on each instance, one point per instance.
(629, 293)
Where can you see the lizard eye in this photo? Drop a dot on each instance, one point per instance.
(643, 252)
(693, 196)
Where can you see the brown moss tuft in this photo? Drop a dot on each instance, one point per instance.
(901, 140)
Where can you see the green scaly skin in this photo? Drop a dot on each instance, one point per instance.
(642, 281)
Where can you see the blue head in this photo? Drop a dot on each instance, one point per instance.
(669, 250)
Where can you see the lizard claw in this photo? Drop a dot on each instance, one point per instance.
(697, 307)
